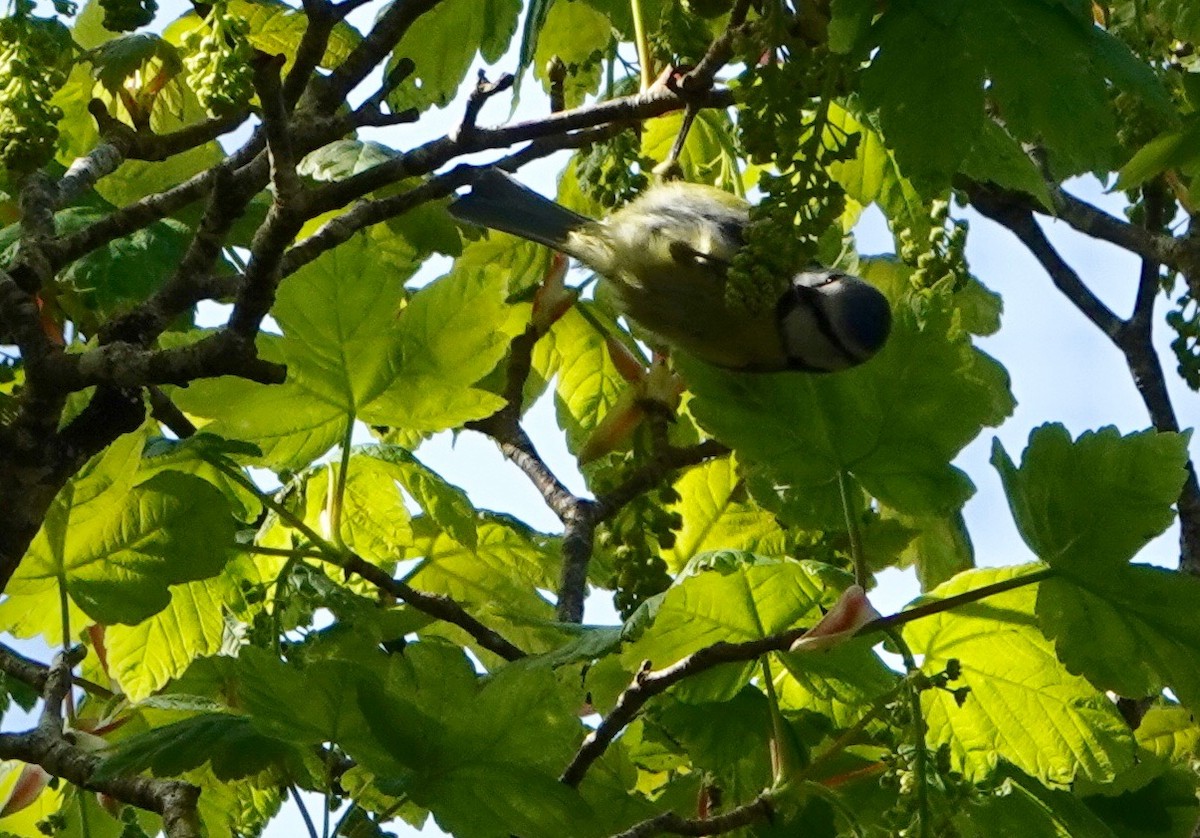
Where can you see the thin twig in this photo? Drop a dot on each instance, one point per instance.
(435, 605)
(665, 462)
(704, 74)
(56, 687)
(166, 412)
(1182, 254)
(304, 815)
(483, 91)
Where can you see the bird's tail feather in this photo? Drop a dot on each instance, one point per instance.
(499, 202)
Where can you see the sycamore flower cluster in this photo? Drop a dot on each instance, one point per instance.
(217, 63)
(35, 56)
(802, 203)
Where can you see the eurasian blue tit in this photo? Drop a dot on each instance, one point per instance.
(666, 254)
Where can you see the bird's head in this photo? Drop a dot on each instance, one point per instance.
(831, 321)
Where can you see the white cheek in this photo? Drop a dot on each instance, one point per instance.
(804, 341)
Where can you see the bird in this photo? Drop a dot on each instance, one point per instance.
(666, 254)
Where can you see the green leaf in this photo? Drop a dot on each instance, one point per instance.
(453, 332)
(871, 422)
(535, 19)
(1023, 706)
(1086, 506)
(89, 30)
(113, 277)
(926, 81)
(980, 308)
(145, 657)
(375, 520)
(235, 809)
(1168, 739)
(1184, 18)
(710, 152)
(839, 683)
(1025, 42)
(287, 424)
(1170, 733)
(118, 547)
(498, 578)
(425, 229)
(579, 36)
(1166, 806)
(939, 547)
(873, 176)
(350, 355)
(277, 29)
(1131, 629)
(446, 505)
(997, 157)
(123, 272)
(175, 107)
(1022, 806)
(116, 60)
(728, 739)
(344, 158)
(459, 745)
(588, 383)
(1173, 150)
(306, 704)
(229, 743)
(443, 42)
(194, 456)
(743, 597)
(173, 528)
(719, 515)
(1127, 70)
(520, 263)
(848, 24)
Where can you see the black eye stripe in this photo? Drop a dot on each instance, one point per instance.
(809, 297)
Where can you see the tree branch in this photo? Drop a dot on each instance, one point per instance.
(483, 91)
(144, 212)
(192, 280)
(994, 204)
(759, 809)
(48, 746)
(668, 461)
(34, 673)
(435, 605)
(1133, 337)
(85, 171)
(433, 155)
(126, 366)
(648, 683)
(367, 213)
(320, 18)
(1182, 254)
(142, 144)
(275, 126)
(382, 39)
(174, 800)
(702, 76)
